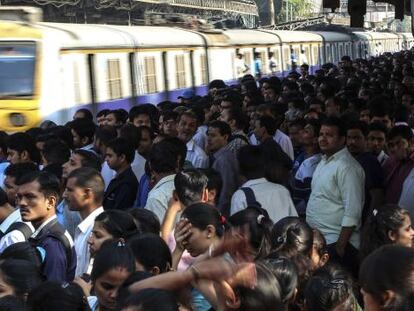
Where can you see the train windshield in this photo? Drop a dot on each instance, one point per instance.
(17, 67)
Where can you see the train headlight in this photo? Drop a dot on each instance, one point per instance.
(17, 119)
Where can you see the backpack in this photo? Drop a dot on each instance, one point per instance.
(57, 232)
(250, 197)
(19, 226)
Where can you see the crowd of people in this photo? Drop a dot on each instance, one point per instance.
(271, 194)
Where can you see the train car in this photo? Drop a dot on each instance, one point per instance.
(49, 70)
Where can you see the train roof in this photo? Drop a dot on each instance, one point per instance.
(84, 36)
(250, 37)
(330, 36)
(295, 36)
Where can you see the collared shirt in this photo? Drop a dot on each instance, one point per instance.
(200, 137)
(382, 157)
(160, 195)
(237, 142)
(107, 174)
(138, 165)
(14, 236)
(196, 155)
(82, 234)
(122, 191)
(225, 162)
(282, 139)
(337, 196)
(274, 198)
(67, 218)
(38, 230)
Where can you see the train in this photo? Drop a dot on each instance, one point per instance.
(50, 70)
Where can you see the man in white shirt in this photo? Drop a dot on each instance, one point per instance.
(9, 218)
(337, 198)
(266, 126)
(274, 198)
(187, 127)
(166, 159)
(84, 194)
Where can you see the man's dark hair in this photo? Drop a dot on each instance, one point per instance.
(130, 133)
(316, 125)
(251, 162)
(189, 186)
(56, 152)
(19, 170)
(89, 159)
(378, 126)
(105, 134)
(223, 127)
(169, 115)
(122, 147)
(64, 134)
(21, 142)
(359, 125)
(84, 128)
(403, 131)
(49, 183)
(102, 113)
(138, 110)
(335, 122)
(87, 177)
(87, 114)
(119, 115)
(239, 117)
(167, 156)
(269, 124)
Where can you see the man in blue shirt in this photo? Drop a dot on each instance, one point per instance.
(37, 196)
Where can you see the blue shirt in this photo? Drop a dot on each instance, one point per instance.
(67, 218)
(143, 190)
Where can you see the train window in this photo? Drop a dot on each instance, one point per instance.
(328, 54)
(307, 53)
(114, 79)
(315, 55)
(333, 48)
(180, 71)
(150, 75)
(203, 66)
(76, 83)
(341, 51)
(263, 58)
(276, 55)
(286, 58)
(248, 59)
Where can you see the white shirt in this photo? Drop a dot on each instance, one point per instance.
(3, 167)
(196, 155)
(107, 174)
(382, 157)
(308, 167)
(138, 165)
(14, 236)
(160, 195)
(274, 198)
(337, 197)
(82, 234)
(282, 139)
(200, 137)
(285, 143)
